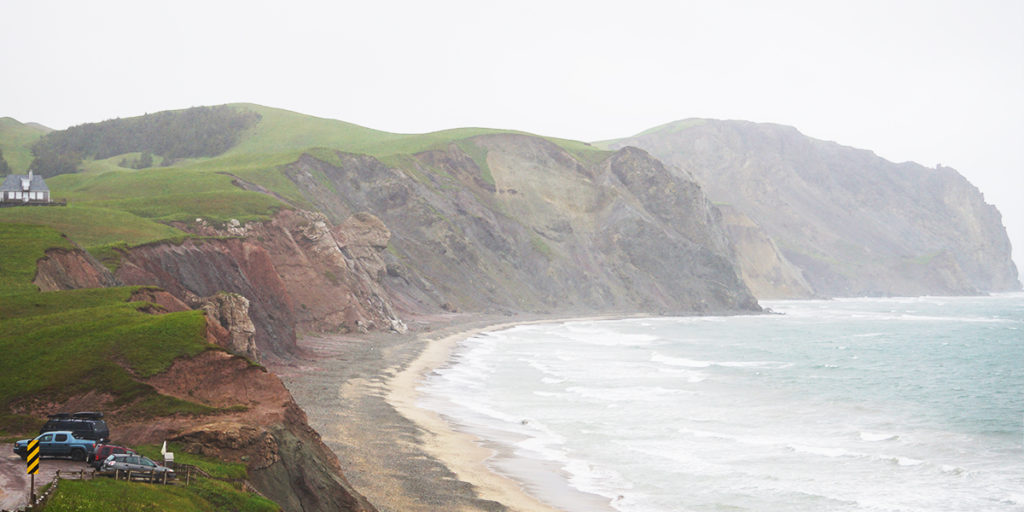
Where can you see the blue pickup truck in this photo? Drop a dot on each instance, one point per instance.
(58, 444)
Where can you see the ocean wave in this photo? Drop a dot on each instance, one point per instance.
(594, 335)
(482, 411)
(624, 394)
(691, 376)
(959, 319)
(877, 436)
(824, 451)
(903, 461)
(679, 361)
(696, 363)
(600, 480)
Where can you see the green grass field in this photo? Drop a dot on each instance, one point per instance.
(201, 495)
(15, 140)
(216, 468)
(61, 344)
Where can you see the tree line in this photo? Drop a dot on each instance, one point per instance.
(194, 132)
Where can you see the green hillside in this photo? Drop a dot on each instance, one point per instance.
(111, 204)
(57, 345)
(16, 140)
(282, 131)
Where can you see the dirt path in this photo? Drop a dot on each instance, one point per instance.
(14, 481)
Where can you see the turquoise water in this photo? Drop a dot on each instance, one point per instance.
(912, 404)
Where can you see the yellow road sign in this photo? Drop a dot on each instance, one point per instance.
(33, 457)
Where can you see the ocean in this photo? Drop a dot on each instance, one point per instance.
(894, 404)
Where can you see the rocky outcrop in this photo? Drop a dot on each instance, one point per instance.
(764, 268)
(308, 483)
(196, 269)
(64, 269)
(851, 222)
(261, 427)
(331, 275)
(231, 311)
(297, 272)
(530, 227)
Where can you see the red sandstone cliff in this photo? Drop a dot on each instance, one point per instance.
(256, 289)
(292, 269)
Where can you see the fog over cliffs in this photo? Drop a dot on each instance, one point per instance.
(849, 222)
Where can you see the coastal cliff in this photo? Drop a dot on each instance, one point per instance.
(241, 412)
(292, 270)
(356, 235)
(511, 223)
(850, 221)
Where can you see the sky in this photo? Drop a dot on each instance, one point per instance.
(935, 82)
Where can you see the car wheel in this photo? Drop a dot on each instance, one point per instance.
(78, 455)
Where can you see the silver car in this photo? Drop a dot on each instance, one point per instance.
(133, 462)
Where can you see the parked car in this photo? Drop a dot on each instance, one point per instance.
(103, 451)
(58, 444)
(85, 425)
(129, 462)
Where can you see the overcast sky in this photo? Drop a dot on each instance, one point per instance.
(928, 81)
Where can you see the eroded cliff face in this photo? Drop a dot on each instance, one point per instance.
(256, 421)
(852, 222)
(286, 459)
(196, 269)
(763, 266)
(293, 270)
(531, 228)
(64, 269)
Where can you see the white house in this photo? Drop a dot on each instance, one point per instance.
(24, 188)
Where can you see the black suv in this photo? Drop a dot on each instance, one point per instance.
(85, 425)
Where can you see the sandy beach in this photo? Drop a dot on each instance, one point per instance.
(360, 394)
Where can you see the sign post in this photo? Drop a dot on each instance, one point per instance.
(33, 467)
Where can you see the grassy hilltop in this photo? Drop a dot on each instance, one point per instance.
(58, 345)
(110, 204)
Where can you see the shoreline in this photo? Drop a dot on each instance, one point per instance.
(464, 453)
(359, 393)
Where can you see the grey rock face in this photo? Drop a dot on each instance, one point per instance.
(530, 227)
(851, 222)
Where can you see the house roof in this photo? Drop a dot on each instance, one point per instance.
(13, 183)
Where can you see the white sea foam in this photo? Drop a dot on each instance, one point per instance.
(679, 361)
(877, 436)
(629, 394)
(762, 413)
(696, 363)
(824, 451)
